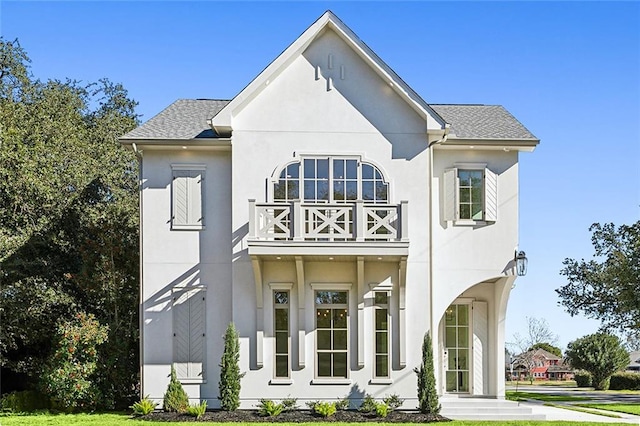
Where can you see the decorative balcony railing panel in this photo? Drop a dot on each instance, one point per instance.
(328, 222)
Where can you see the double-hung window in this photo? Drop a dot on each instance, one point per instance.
(281, 333)
(332, 334)
(470, 194)
(381, 333)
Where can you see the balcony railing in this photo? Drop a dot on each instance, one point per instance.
(357, 221)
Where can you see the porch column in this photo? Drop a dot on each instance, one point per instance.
(302, 323)
(257, 276)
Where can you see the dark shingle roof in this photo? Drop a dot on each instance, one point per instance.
(482, 122)
(187, 119)
(183, 119)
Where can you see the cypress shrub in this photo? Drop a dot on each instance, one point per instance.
(230, 375)
(175, 398)
(427, 395)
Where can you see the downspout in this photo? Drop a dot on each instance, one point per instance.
(138, 154)
(434, 343)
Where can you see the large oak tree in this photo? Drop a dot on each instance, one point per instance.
(607, 287)
(68, 221)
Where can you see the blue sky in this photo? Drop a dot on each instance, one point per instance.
(570, 71)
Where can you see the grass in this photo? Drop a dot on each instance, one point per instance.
(125, 420)
(519, 396)
(619, 408)
(549, 383)
(581, 410)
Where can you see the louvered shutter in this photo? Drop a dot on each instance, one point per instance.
(196, 333)
(187, 199)
(181, 334)
(189, 334)
(449, 198)
(480, 348)
(490, 196)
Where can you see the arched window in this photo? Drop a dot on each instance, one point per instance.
(331, 180)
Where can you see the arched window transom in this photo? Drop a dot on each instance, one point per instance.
(331, 180)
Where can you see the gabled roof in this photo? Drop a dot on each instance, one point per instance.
(184, 119)
(222, 121)
(635, 359)
(482, 122)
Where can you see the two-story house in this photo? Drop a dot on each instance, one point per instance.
(335, 217)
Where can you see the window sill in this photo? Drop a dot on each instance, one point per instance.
(192, 381)
(280, 382)
(330, 381)
(187, 227)
(468, 222)
(380, 381)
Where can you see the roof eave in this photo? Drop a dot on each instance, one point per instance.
(525, 145)
(176, 143)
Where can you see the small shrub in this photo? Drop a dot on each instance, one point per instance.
(583, 378)
(368, 404)
(267, 407)
(311, 405)
(197, 410)
(144, 406)
(175, 398)
(393, 401)
(427, 396)
(343, 404)
(625, 381)
(24, 402)
(325, 409)
(289, 404)
(68, 376)
(382, 409)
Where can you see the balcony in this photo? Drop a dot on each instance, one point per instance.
(356, 228)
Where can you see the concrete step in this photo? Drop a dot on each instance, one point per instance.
(486, 409)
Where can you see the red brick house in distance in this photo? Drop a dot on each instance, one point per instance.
(543, 365)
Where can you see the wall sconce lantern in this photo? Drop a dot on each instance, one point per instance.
(521, 263)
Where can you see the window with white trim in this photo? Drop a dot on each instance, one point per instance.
(327, 179)
(381, 333)
(187, 189)
(281, 333)
(470, 194)
(332, 334)
(188, 309)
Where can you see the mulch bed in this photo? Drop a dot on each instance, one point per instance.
(296, 416)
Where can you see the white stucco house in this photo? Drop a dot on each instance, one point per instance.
(335, 217)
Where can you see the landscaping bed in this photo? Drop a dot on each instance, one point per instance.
(297, 416)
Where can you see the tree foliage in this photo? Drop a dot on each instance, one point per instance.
(607, 287)
(547, 347)
(230, 375)
(427, 395)
(600, 354)
(68, 221)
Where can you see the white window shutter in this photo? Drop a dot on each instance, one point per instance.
(181, 334)
(187, 190)
(480, 348)
(449, 198)
(197, 334)
(180, 216)
(195, 198)
(490, 196)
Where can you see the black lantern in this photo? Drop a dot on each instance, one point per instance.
(521, 263)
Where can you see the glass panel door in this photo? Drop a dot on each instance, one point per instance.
(456, 342)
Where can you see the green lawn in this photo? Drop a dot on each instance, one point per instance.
(125, 420)
(619, 408)
(518, 396)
